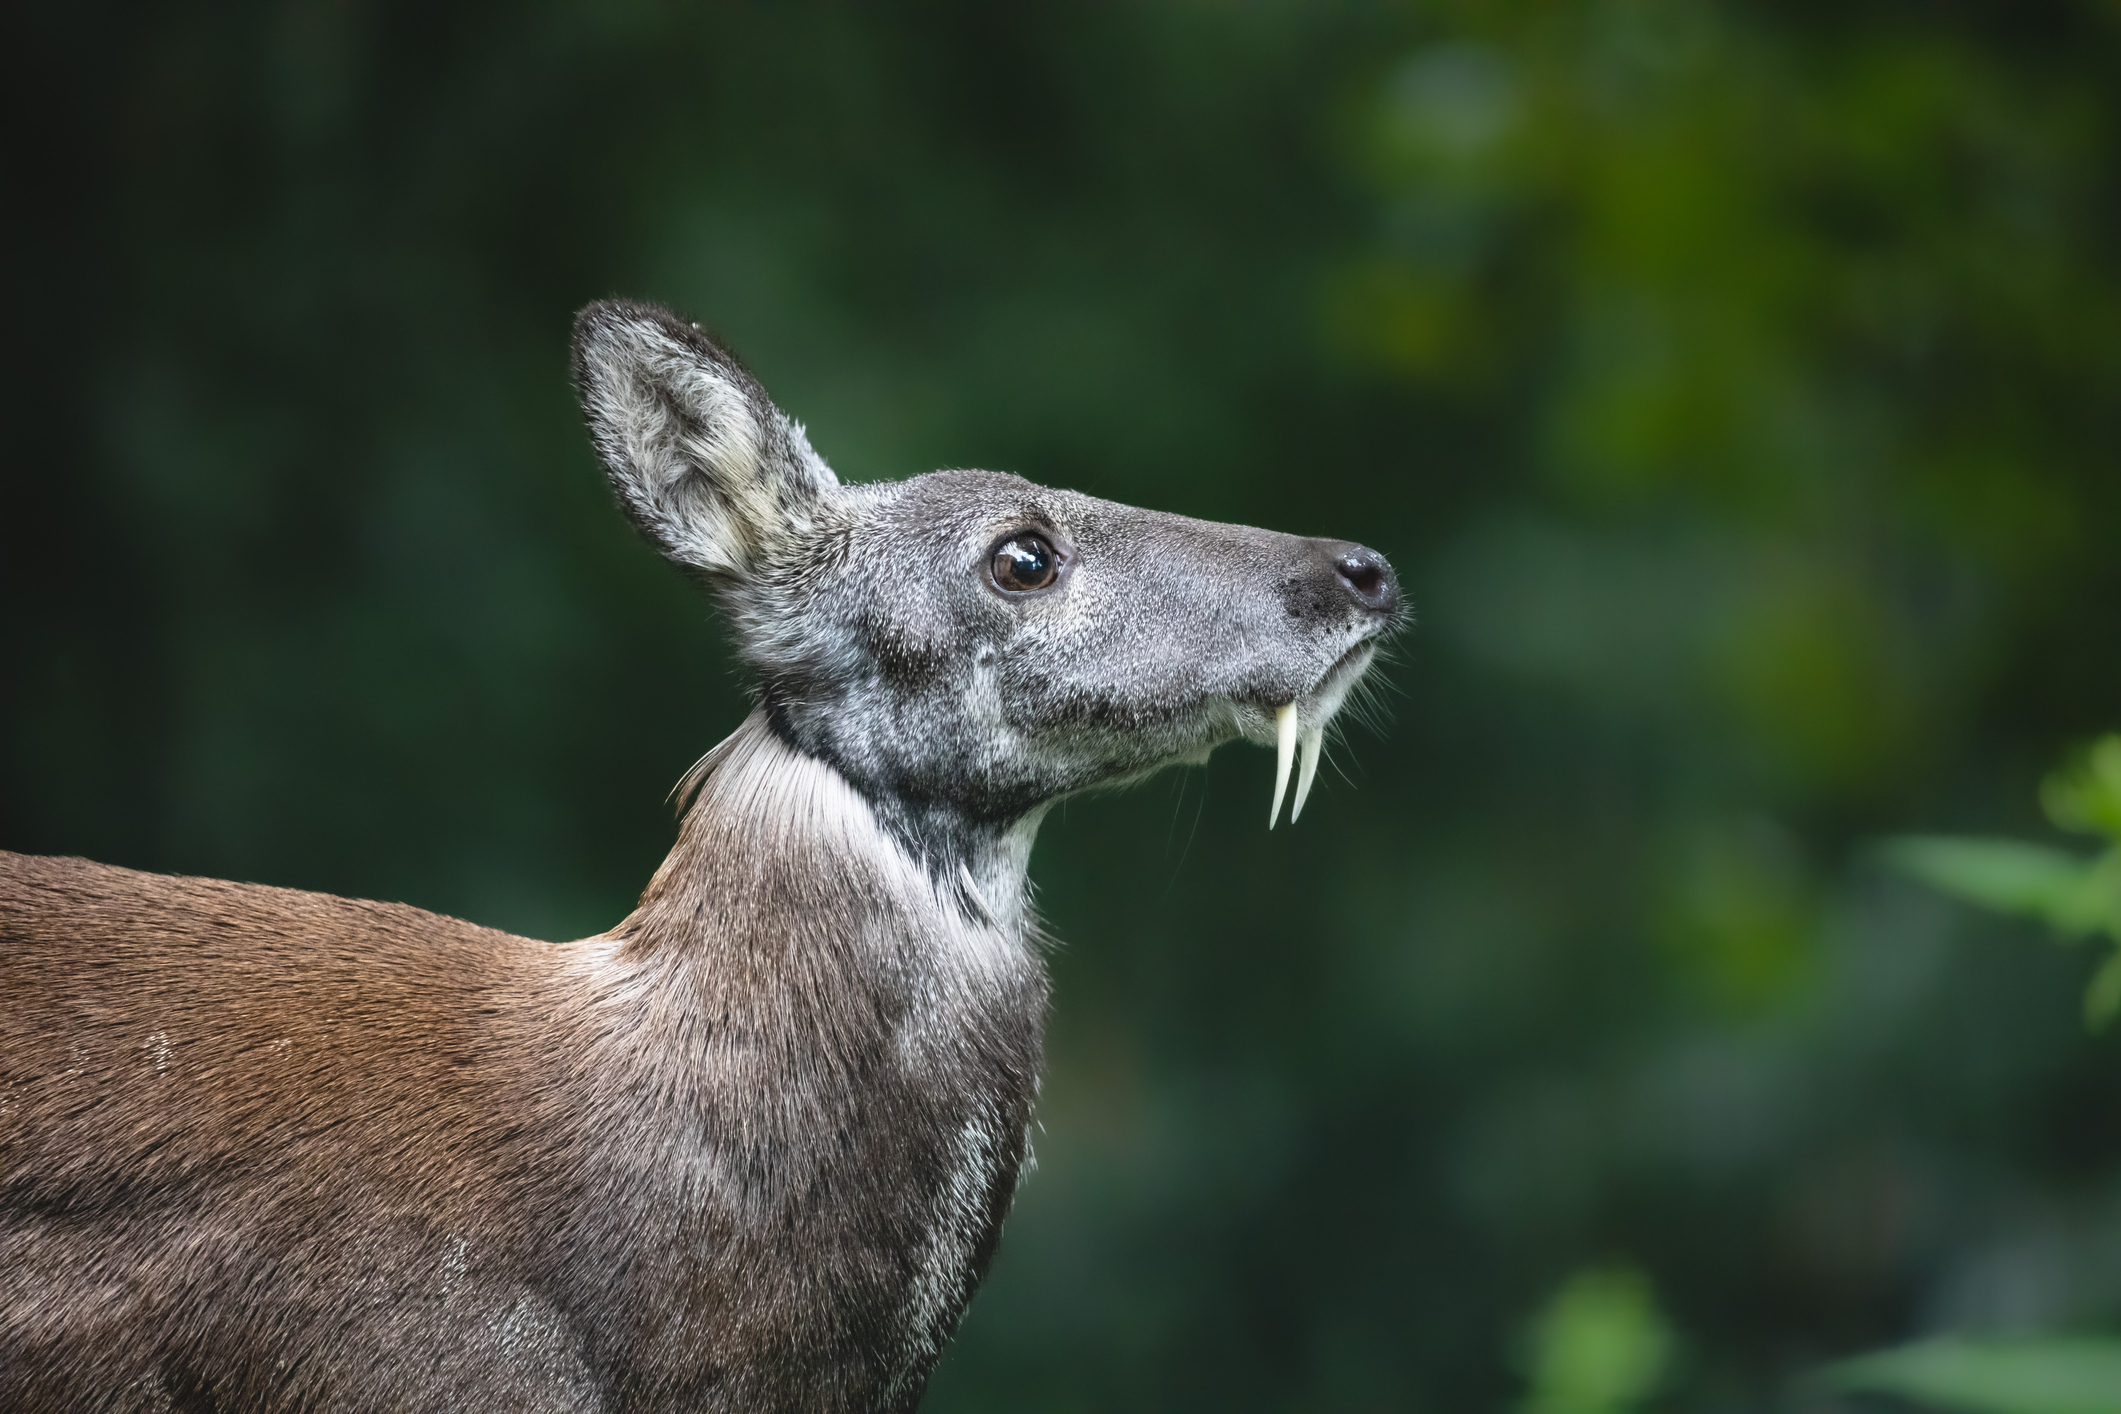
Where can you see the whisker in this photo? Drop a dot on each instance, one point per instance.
(1187, 848)
(1178, 804)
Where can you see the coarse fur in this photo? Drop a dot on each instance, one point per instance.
(751, 1148)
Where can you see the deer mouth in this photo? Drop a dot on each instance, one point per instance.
(1300, 727)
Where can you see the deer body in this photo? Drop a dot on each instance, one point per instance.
(750, 1149)
(428, 1145)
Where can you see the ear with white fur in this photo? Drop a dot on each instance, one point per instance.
(707, 468)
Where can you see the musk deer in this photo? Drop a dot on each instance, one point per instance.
(750, 1150)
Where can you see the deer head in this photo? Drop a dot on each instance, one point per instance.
(966, 647)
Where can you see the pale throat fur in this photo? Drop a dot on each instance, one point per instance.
(791, 943)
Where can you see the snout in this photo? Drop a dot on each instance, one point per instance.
(1366, 576)
(1341, 576)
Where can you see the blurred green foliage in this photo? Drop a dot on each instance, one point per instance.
(2073, 895)
(1997, 1377)
(1598, 1347)
(1732, 386)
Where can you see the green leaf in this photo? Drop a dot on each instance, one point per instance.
(2087, 795)
(2102, 999)
(1995, 1377)
(2010, 876)
(1599, 1347)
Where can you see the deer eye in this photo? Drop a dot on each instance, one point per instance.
(1025, 562)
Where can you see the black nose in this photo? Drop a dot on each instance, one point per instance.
(1367, 577)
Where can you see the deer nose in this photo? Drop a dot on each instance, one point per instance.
(1367, 578)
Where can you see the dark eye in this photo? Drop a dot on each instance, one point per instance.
(1025, 562)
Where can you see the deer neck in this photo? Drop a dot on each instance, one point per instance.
(775, 839)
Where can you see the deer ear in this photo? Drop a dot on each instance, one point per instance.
(708, 469)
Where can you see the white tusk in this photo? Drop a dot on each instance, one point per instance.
(1313, 740)
(1284, 753)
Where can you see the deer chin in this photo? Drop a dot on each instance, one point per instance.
(1300, 728)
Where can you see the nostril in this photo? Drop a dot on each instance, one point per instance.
(1336, 571)
(1365, 574)
(1368, 578)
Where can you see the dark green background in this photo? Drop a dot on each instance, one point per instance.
(1736, 388)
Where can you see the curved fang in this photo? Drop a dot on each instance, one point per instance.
(1284, 753)
(1305, 770)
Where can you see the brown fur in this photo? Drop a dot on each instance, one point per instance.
(263, 1149)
